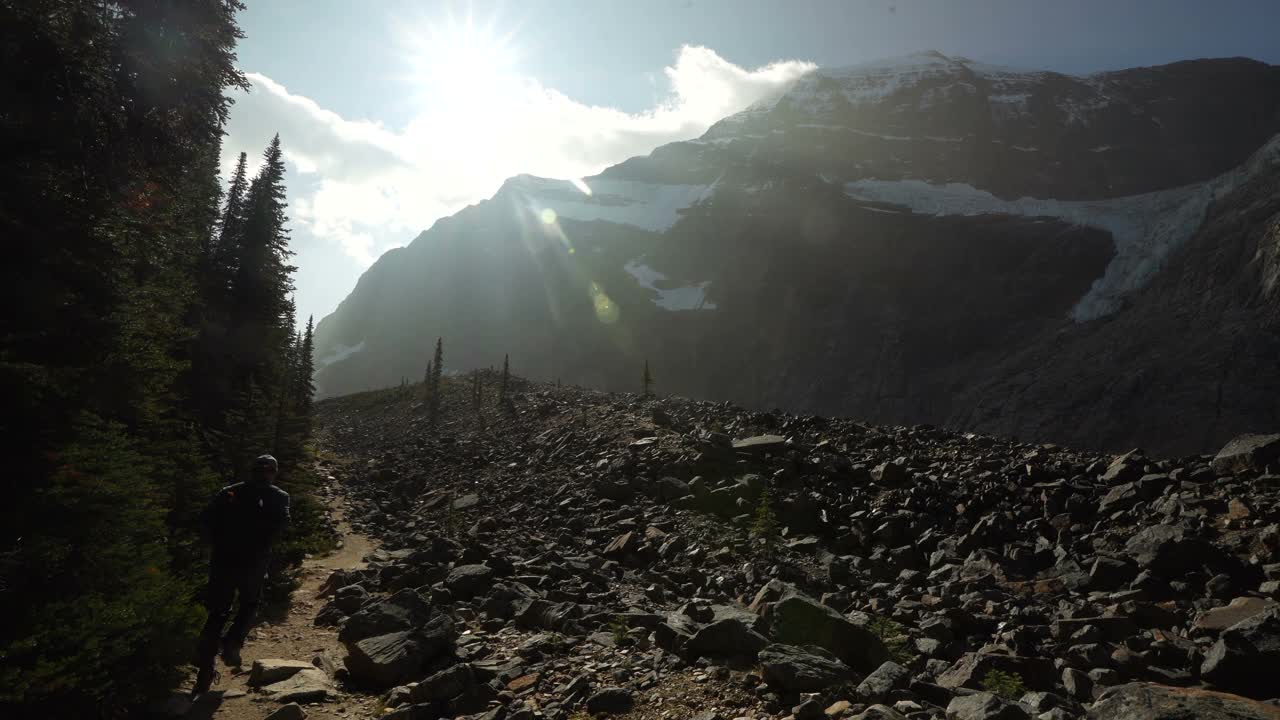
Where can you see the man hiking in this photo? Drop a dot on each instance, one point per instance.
(241, 521)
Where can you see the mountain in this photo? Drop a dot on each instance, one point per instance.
(1089, 260)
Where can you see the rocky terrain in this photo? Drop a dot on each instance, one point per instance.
(928, 239)
(569, 553)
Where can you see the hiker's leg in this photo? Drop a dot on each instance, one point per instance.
(249, 586)
(217, 600)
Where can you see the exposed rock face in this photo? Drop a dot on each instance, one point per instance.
(1084, 260)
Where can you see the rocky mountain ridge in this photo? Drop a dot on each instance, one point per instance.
(929, 239)
(569, 550)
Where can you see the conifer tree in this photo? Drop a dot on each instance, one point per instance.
(426, 383)
(646, 381)
(307, 371)
(506, 378)
(434, 403)
(111, 209)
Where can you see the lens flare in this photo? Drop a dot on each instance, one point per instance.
(578, 183)
(606, 309)
(548, 216)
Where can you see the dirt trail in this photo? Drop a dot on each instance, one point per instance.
(295, 637)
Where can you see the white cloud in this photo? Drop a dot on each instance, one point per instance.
(368, 188)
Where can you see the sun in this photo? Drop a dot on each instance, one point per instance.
(460, 63)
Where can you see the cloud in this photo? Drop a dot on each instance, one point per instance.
(367, 188)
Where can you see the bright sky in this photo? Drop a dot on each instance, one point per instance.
(396, 113)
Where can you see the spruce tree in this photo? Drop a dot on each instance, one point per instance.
(506, 378)
(112, 129)
(307, 370)
(434, 403)
(646, 381)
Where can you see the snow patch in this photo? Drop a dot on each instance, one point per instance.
(1146, 228)
(648, 206)
(340, 353)
(690, 297)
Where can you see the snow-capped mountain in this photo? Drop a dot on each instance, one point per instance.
(899, 240)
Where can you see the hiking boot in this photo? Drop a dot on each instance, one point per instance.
(204, 680)
(231, 654)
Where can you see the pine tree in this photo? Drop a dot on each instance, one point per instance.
(426, 383)
(646, 381)
(112, 129)
(434, 404)
(307, 371)
(506, 378)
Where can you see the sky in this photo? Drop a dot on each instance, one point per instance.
(393, 113)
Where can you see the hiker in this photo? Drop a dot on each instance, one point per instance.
(241, 521)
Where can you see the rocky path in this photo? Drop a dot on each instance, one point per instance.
(296, 637)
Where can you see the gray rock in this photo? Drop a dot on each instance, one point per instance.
(984, 706)
(610, 700)
(270, 670)
(970, 670)
(1167, 550)
(304, 686)
(760, 443)
(730, 637)
(1078, 684)
(794, 669)
(798, 620)
(880, 712)
(1247, 453)
(403, 610)
(669, 488)
(292, 711)
(467, 581)
(1144, 701)
(1246, 658)
(888, 677)
(387, 660)
(444, 685)
(348, 599)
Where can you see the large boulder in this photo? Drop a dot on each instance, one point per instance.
(1248, 453)
(467, 581)
(969, 671)
(1168, 551)
(1246, 658)
(384, 661)
(403, 610)
(985, 706)
(888, 677)
(730, 637)
(305, 686)
(793, 669)
(445, 685)
(1145, 701)
(799, 620)
(394, 658)
(271, 670)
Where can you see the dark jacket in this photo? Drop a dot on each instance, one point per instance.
(243, 519)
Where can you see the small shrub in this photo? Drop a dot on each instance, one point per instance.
(894, 637)
(618, 628)
(765, 524)
(1002, 684)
